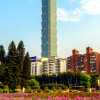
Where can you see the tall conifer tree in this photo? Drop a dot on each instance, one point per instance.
(12, 63)
(2, 54)
(26, 68)
(21, 54)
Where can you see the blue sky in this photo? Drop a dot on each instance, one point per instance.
(78, 24)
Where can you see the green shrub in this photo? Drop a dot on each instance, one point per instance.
(1, 90)
(11, 90)
(28, 89)
(46, 89)
(18, 88)
(6, 89)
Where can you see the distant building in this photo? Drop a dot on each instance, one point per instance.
(61, 65)
(91, 61)
(88, 62)
(48, 66)
(45, 66)
(54, 66)
(35, 66)
(75, 61)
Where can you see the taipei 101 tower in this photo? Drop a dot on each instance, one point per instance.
(49, 29)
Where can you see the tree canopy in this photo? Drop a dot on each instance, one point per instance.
(15, 65)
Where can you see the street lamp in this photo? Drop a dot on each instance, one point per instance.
(98, 82)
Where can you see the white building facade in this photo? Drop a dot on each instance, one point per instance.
(48, 66)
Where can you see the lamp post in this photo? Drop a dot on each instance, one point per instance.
(98, 82)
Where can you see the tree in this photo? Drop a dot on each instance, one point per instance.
(34, 84)
(15, 67)
(70, 78)
(2, 73)
(94, 79)
(21, 53)
(12, 53)
(26, 68)
(2, 54)
(12, 65)
(85, 80)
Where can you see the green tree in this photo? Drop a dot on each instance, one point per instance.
(26, 69)
(2, 73)
(34, 84)
(21, 53)
(85, 80)
(94, 79)
(16, 70)
(12, 53)
(70, 78)
(12, 63)
(2, 54)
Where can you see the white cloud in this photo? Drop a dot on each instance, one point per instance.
(64, 15)
(91, 7)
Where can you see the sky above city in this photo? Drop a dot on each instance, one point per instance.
(78, 25)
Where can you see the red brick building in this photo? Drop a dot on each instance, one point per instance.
(89, 62)
(92, 61)
(75, 61)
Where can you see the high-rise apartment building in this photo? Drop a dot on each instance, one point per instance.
(75, 61)
(49, 31)
(88, 62)
(48, 66)
(92, 61)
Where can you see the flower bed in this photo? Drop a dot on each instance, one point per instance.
(30, 96)
(16, 96)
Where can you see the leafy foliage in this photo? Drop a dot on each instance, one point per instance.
(15, 66)
(2, 54)
(26, 69)
(68, 79)
(33, 83)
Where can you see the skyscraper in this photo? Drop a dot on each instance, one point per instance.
(49, 31)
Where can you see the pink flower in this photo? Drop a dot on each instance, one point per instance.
(77, 98)
(49, 98)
